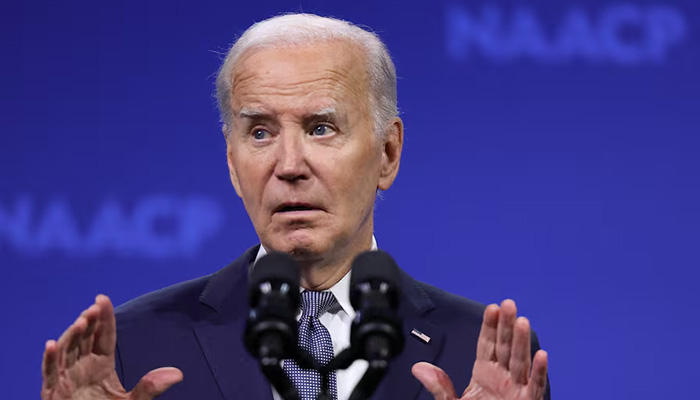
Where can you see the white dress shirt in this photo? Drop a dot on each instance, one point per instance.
(338, 321)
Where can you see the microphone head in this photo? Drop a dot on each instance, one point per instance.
(271, 330)
(375, 268)
(276, 268)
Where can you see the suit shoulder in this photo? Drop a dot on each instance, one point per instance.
(451, 307)
(172, 299)
(186, 301)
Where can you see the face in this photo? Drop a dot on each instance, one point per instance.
(302, 153)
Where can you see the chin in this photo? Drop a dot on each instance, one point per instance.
(301, 246)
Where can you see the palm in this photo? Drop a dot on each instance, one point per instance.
(80, 365)
(91, 377)
(490, 382)
(502, 370)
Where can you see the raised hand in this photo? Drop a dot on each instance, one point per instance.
(80, 365)
(502, 368)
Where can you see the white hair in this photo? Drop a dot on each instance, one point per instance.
(303, 29)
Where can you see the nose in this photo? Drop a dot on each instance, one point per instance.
(292, 163)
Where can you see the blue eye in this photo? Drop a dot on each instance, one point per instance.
(260, 134)
(321, 130)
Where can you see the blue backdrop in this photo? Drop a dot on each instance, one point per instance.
(551, 156)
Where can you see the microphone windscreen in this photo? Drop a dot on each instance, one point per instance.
(374, 266)
(275, 267)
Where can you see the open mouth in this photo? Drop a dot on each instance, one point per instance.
(291, 207)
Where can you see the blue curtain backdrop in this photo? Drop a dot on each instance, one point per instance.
(551, 156)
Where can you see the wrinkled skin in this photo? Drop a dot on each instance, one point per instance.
(302, 136)
(502, 370)
(80, 365)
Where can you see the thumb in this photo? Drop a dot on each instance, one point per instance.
(435, 380)
(155, 383)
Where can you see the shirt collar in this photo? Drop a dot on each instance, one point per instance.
(341, 290)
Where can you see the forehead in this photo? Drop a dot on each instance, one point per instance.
(319, 75)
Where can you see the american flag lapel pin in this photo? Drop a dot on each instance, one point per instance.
(420, 335)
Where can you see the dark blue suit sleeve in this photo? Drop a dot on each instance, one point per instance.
(118, 366)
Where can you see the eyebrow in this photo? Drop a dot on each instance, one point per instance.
(324, 113)
(250, 113)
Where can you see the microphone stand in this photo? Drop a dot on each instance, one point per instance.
(275, 375)
(270, 361)
(342, 361)
(270, 365)
(378, 366)
(370, 380)
(376, 352)
(325, 382)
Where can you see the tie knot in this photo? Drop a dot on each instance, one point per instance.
(314, 304)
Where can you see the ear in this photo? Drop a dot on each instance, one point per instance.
(391, 154)
(233, 175)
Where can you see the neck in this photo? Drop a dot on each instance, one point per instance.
(322, 273)
(313, 278)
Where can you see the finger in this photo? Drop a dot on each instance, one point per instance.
(435, 380)
(72, 350)
(519, 364)
(66, 344)
(504, 333)
(155, 383)
(49, 364)
(62, 345)
(106, 328)
(88, 338)
(486, 345)
(538, 376)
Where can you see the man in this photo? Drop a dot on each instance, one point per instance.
(312, 133)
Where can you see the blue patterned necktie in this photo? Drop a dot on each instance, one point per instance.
(314, 338)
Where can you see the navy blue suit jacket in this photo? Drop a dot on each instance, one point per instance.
(198, 325)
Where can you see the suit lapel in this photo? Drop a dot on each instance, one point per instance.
(399, 383)
(220, 333)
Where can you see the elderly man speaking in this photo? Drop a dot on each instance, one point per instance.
(310, 119)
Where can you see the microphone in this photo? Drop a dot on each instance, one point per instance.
(376, 332)
(271, 329)
(375, 289)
